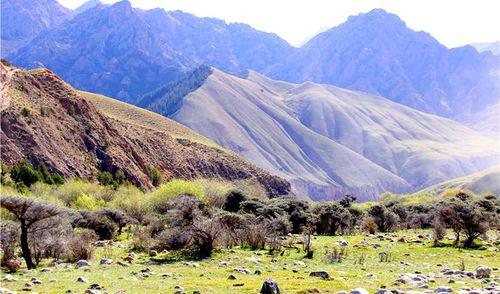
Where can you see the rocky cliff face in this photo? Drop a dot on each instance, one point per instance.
(46, 120)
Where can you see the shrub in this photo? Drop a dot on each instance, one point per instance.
(234, 200)
(255, 236)
(80, 246)
(439, 231)
(25, 174)
(142, 240)
(278, 226)
(87, 202)
(174, 189)
(370, 225)
(330, 218)
(133, 202)
(385, 219)
(99, 223)
(155, 175)
(215, 191)
(71, 190)
(9, 238)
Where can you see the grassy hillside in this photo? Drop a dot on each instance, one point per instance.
(140, 117)
(486, 181)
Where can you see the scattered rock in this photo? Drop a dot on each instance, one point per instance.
(178, 289)
(231, 277)
(82, 280)
(130, 257)
(358, 291)
(36, 281)
(258, 272)
(8, 278)
(242, 271)
(153, 253)
(322, 274)
(483, 271)
(270, 287)
(99, 244)
(52, 281)
(443, 289)
(106, 261)
(83, 262)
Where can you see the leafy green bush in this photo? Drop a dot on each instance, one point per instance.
(87, 202)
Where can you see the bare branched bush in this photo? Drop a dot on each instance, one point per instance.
(369, 225)
(336, 254)
(79, 246)
(9, 238)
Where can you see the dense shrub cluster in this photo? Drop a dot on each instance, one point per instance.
(194, 218)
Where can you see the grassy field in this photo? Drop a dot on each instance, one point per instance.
(360, 268)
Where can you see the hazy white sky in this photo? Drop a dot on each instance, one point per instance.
(452, 22)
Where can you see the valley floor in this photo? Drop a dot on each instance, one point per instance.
(361, 268)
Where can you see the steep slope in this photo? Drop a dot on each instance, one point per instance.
(23, 20)
(328, 141)
(124, 52)
(486, 181)
(375, 52)
(79, 134)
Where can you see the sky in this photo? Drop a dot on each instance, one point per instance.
(453, 22)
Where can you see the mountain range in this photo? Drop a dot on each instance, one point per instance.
(126, 52)
(325, 140)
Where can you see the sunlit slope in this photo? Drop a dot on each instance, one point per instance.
(328, 141)
(243, 116)
(128, 113)
(486, 181)
(421, 148)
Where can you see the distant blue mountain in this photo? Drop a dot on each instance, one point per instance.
(124, 52)
(377, 53)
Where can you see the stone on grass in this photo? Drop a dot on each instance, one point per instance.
(36, 281)
(153, 253)
(83, 262)
(258, 272)
(443, 289)
(82, 280)
(321, 274)
(358, 291)
(231, 277)
(106, 261)
(270, 287)
(241, 271)
(8, 278)
(483, 271)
